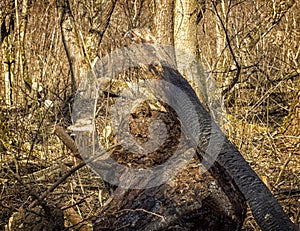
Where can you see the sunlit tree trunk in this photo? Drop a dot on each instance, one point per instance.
(221, 60)
(15, 29)
(8, 59)
(186, 45)
(70, 41)
(81, 49)
(21, 24)
(163, 21)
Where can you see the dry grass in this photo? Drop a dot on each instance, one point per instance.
(27, 149)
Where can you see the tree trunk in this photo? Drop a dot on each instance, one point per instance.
(21, 25)
(8, 59)
(189, 200)
(221, 158)
(163, 21)
(82, 50)
(186, 46)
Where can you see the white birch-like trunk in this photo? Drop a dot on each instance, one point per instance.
(186, 46)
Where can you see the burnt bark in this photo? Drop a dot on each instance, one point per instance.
(187, 201)
(190, 201)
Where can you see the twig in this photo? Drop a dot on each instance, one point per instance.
(67, 140)
(101, 156)
(66, 10)
(283, 168)
(238, 67)
(105, 21)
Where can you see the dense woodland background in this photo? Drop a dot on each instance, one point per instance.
(251, 48)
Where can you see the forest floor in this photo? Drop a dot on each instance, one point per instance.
(33, 159)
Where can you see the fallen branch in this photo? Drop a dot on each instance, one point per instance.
(101, 156)
(67, 140)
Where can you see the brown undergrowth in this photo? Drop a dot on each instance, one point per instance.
(33, 158)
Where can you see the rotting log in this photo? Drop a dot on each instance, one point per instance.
(183, 205)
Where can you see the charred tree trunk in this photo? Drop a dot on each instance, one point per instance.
(191, 200)
(188, 200)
